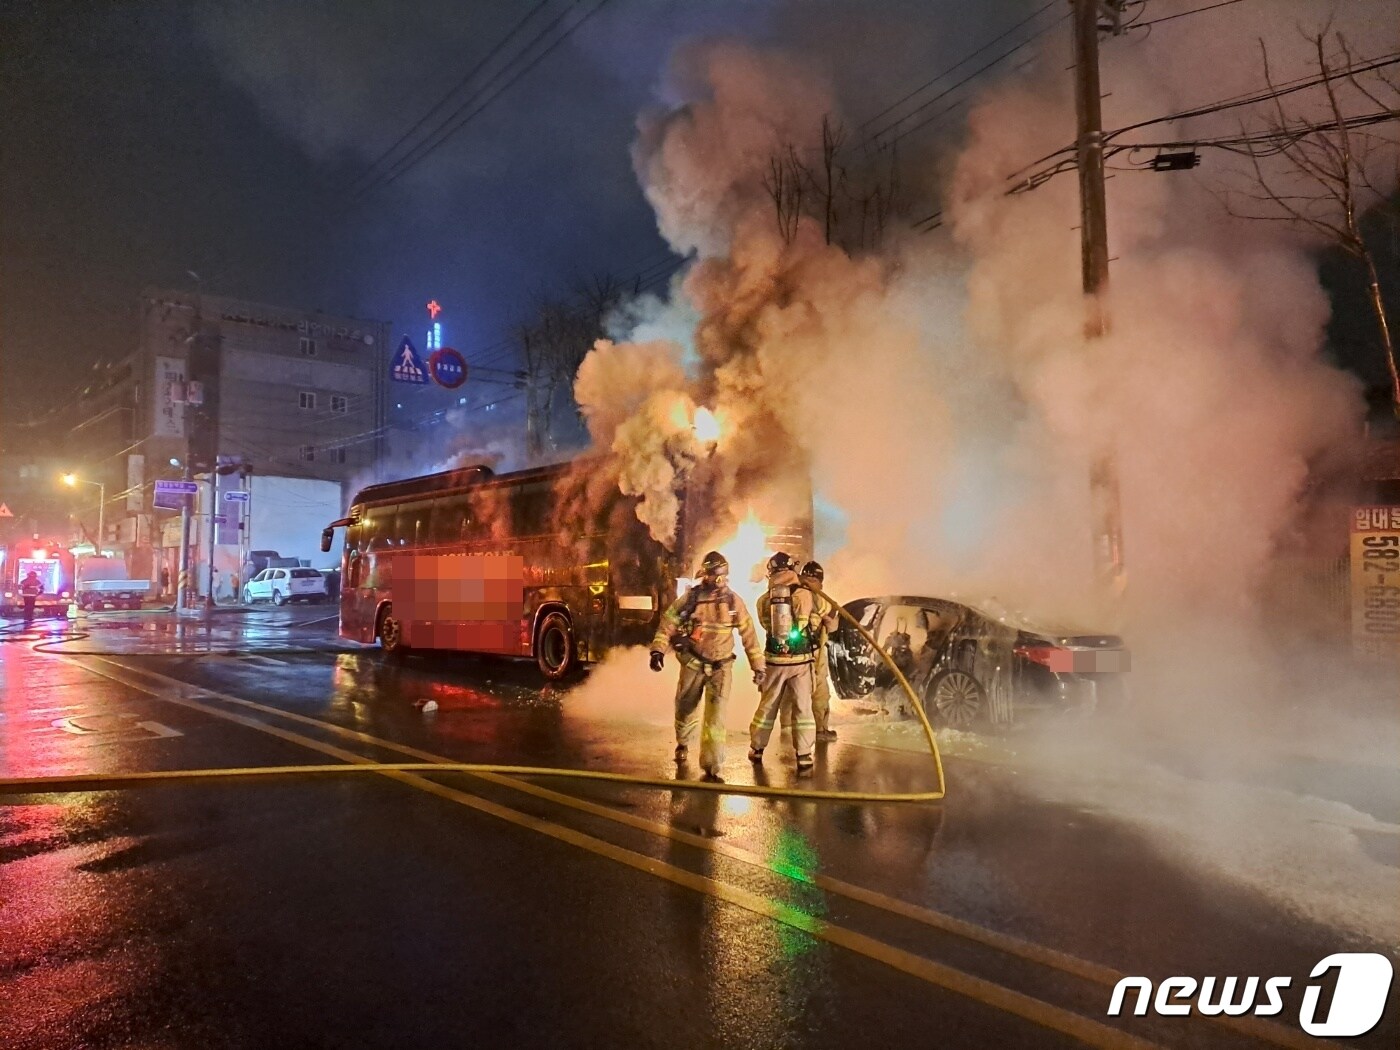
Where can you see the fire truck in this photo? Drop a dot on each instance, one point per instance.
(48, 559)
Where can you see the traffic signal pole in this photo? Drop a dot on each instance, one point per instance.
(1109, 571)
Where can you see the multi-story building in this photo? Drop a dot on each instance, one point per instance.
(296, 395)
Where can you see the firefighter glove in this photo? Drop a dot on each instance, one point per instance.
(657, 659)
(759, 674)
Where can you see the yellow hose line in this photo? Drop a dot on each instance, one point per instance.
(908, 690)
(111, 781)
(105, 781)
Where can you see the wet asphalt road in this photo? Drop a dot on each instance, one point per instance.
(450, 910)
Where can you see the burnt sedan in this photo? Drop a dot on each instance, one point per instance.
(972, 667)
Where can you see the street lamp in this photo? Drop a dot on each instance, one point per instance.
(73, 481)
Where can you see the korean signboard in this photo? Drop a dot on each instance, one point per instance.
(1375, 581)
(170, 383)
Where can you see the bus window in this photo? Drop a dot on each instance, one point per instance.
(376, 528)
(448, 525)
(530, 510)
(411, 523)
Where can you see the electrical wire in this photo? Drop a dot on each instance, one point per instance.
(958, 64)
(455, 121)
(463, 82)
(980, 71)
(1181, 14)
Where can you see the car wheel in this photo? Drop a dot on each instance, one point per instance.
(555, 651)
(278, 598)
(247, 596)
(956, 699)
(391, 634)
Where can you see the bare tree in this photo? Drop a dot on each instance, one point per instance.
(1327, 175)
(786, 183)
(851, 197)
(553, 343)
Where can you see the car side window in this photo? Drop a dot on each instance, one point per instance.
(260, 577)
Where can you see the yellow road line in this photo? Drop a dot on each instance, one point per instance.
(988, 993)
(1028, 950)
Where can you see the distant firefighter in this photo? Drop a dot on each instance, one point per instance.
(30, 588)
(700, 627)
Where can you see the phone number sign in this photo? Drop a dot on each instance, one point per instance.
(1375, 581)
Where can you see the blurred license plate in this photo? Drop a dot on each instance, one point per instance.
(1089, 661)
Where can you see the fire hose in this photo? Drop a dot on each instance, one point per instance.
(106, 781)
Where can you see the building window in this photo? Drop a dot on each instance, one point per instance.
(29, 470)
(337, 455)
(308, 453)
(306, 399)
(339, 403)
(308, 347)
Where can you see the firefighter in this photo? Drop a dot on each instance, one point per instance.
(813, 575)
(700, 626)
(30, 588)
(789, 616)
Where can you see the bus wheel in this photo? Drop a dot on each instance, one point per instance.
(555, 652)
(391, 634)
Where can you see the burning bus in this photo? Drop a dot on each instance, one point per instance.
(550, 563)
(49, 561)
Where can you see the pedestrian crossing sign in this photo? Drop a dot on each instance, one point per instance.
(407, 366)
(5, 511)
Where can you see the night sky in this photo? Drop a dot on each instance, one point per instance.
(144, 140)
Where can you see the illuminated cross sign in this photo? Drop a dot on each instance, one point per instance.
(434, 308)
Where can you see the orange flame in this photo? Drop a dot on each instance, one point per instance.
(707, 426)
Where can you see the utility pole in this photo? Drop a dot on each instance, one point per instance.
(182, 585)
(213, 525)
(1093, 229)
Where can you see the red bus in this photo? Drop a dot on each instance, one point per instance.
(549, 563)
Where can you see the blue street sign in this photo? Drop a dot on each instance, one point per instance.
(236, 496)
(407, 366)
(174, 495)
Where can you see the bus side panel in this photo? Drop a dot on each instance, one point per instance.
(468, 603)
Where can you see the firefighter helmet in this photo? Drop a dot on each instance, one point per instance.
(814, 570)
(715, 564)
(780, 562)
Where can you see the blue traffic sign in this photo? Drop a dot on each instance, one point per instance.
(236, 496)
(449, 368)
(177, 486)
(407, 366)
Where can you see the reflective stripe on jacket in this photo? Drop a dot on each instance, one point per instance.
(709, 619)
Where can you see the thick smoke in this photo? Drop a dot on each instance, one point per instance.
(942, 395)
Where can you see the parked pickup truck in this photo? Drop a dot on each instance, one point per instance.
(103, 584)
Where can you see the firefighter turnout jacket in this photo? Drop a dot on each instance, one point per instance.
(795, 644)
(704, 620)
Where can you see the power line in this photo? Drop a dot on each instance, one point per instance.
(1183, 14)
(447, 128)
(466, 79)
(961, 62)
(987, 67)
(1371, 65)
